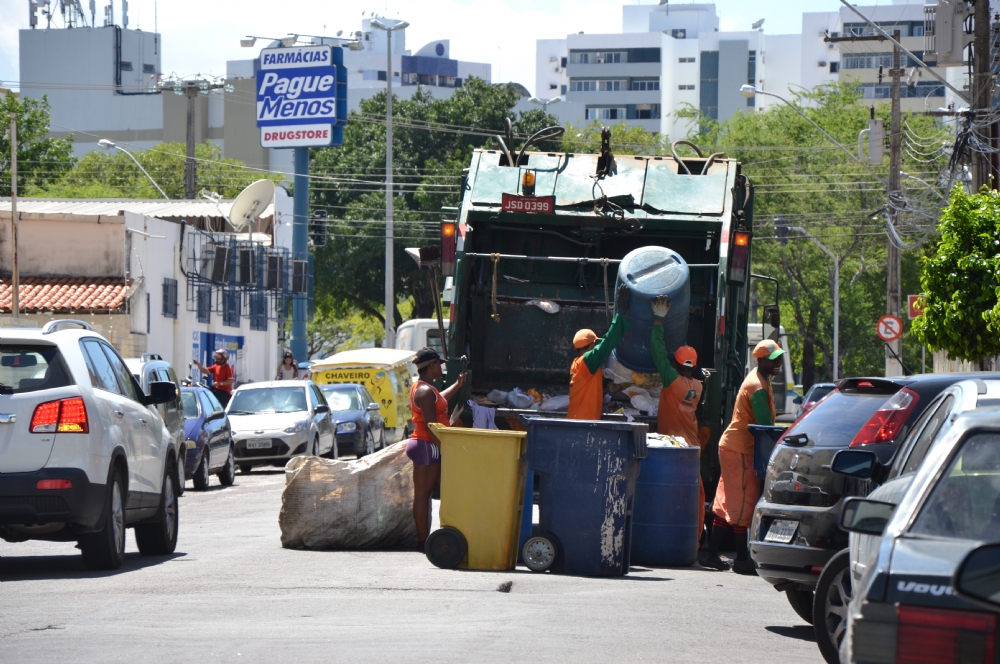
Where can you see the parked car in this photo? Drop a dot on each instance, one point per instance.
(276, 420)
(85, 451)
(147, 370)
(360, 429)
(906, 608)
(844, 571)
(794, 533)
(208, 439)
(815, 395)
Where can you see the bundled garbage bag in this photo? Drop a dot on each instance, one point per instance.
(560, 402)
(362, 504)
(518, 399)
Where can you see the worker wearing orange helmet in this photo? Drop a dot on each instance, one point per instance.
(739, 486)
(586, 378)
(681, 391)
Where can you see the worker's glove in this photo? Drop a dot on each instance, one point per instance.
(622, 296)
(660, 305)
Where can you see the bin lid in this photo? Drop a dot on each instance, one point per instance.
(637, 429)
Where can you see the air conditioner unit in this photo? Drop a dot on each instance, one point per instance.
(822, 63)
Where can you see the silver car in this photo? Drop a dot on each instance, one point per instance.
(904, 604)
(276, 420)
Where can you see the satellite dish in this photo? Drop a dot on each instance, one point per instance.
(250, 204)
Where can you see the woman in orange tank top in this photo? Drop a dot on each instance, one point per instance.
(427, 405)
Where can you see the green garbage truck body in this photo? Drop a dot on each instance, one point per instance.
(566, 250)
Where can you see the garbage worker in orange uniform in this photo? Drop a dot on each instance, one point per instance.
(681, 391)
(586, 377)
(739, 486)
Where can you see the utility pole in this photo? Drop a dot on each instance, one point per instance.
(15, 307)
(981, 85)
(893, 263)
(190, 89)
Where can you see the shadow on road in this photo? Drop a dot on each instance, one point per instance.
(800, 632)
(30, 568)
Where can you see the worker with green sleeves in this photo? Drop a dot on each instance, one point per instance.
(586, 378)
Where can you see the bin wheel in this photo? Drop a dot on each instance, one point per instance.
(538, 554)
(446, 547)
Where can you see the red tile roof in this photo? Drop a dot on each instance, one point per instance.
(64, 295)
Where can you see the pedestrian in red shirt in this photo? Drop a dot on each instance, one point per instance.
(222, 374)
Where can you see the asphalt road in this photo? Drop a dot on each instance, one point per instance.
(232, 594)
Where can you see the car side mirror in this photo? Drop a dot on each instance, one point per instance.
(161, 392)
(977, 578)
(798, 401)
(865, 516)
(374, 406)
(322, 408)
(217, 415)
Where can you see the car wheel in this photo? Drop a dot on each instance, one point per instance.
(245, 468)
(315, 447)
(833, 594)
(201, 476)
(369, 445)
(181, 480)
(159, 538)
(382, 438)
(802, 603)
(105, 549)
(228, 473)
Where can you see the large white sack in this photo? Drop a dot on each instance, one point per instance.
(362, 504)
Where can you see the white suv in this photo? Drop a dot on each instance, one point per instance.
(84, 454)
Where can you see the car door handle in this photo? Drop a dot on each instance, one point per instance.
(119, 414)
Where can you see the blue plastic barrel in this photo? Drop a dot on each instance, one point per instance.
(588, 471)
(652, 271)
(667, 503)
(527, 512)
(764, 440)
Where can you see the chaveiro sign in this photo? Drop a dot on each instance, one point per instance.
(301, 96)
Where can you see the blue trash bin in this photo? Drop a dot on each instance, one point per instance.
(764, 440)
(667, 503)
(527, 512)
(588, 471)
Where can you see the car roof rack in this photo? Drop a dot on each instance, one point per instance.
(56, 325)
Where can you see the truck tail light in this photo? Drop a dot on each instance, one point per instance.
(62, 416)
(933, 636)
(739, 258)
(449, 240)
(888, 420)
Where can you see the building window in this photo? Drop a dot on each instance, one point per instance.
(922, 90)
(149, 69)
(679, 33)
(685, 60)
(381, 75)
(562, 89)
(599, 85)
(553, 86)
(231, 307)
(647, 112)
(685, 87)
(563, 62)
(126, 66)
(834, 67)
(708, 101)
(906, 28)
(653, 84)
(876, 60)
(170, 298)
(204, 303)
(597, 58)
(258, 312)
(604, 113)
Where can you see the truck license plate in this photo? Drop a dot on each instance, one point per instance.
(259, 444)
(529, 204)
(781, 532)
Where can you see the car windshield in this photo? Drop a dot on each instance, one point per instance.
(341, 399)
(190, 400)
(268, 400)
(835, 421)
(25, 368)
(965, 504)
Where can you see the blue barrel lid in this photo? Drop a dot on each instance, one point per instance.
(654, 270)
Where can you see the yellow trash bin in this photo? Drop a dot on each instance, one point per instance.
(482, 492)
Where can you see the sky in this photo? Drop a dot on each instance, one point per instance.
(200, 35)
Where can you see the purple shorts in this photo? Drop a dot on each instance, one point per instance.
(423, 452)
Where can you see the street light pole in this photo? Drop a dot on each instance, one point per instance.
(544, 103)
(390, 296)
(108, 145)
(836, 297)
(15, 282)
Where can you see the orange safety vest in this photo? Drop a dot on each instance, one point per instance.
(586, 392)
(676, 416)
(737, 437)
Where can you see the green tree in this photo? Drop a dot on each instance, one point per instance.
(112, 175)
(433, 140)
(625, 139)
(40, 160)
(960, 281)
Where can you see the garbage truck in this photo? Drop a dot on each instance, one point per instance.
(536, 247)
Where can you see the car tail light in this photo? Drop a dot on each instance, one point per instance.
(63, 416)
(53, 484)
(931, 636)
(887, 421)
